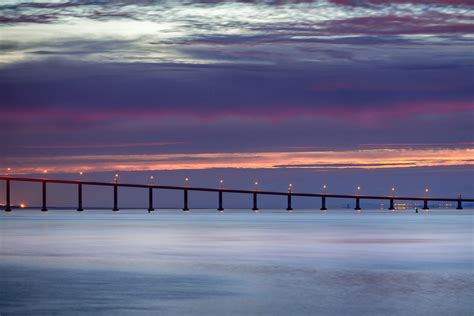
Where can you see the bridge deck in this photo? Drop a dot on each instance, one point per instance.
(189, 188)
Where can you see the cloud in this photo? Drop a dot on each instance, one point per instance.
(413, 2)
(397, 25)
(91, 92)
(188, 32)
(85, 146)
(367, 159)
(331, 74)
(37, 18)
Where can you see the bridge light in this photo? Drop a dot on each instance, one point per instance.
(325, 188)
(221, 183)
(290, 188)
(45, 171)
(81, 173)
(22, 205)
(427, 192)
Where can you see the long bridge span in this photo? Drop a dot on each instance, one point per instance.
(220, 191)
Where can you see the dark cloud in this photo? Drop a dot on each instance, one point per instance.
(282, 91)
(212, 90)
(36, 18)
(66, 4)
(45, 12)
(396, 25)
(379, 2)
(214, 108)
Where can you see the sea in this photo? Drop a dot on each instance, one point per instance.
(238, 262)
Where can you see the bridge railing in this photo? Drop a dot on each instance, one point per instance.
(185, 189)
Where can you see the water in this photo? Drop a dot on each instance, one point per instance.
(236, 263)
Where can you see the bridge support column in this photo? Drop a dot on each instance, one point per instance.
(425, 205)
(323, 203)
(220, 208)
(459, 205)
(115, 209)
(254, 208)
(357, 208)
(185, 207)
(392, 207)
(79, 198)
(289, 208)
(7, 198)
(44, 208)
(150, 200)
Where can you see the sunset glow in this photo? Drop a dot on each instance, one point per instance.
(359, 159)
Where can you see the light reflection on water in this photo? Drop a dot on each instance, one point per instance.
(237, 263)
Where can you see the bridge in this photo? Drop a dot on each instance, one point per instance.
(220, 191)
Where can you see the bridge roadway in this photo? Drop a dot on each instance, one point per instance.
(185, 190)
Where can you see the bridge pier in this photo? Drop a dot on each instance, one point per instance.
(323, 203)
(459, 207)
(220, 208)
(357, 208)
(425, 205)
(392, 207)
(44, 208)
(79, 198)
(115, 209)
(289, 208)
(150, 200)
(7, 198)
(255, 208)
(185, 207)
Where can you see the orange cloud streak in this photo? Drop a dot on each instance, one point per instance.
(366, 159)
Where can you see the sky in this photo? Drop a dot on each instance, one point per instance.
(345, 93)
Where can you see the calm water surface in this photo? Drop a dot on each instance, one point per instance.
(236, 263)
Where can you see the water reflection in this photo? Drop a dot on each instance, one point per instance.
(271, 263)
